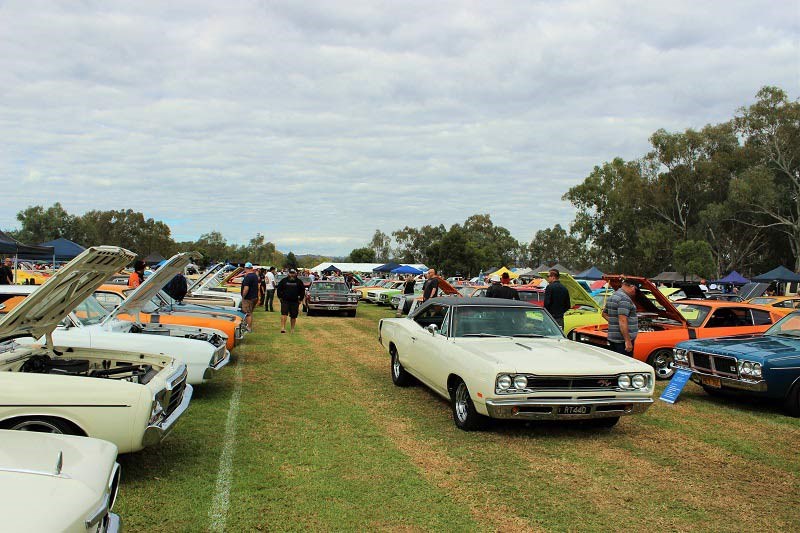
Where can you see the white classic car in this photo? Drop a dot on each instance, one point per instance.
(496, 358)
(208, 289)
(75, 478)
(130, 398)
(90, 325)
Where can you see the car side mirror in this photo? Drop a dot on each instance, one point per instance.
(432, 329)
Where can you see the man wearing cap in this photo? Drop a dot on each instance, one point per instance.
(623, 323)
(556, 297)
(291, 292)
(249, 294)
(498, 290)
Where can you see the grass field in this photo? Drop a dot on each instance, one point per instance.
(316, 437)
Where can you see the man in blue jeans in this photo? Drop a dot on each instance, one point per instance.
(623, 322)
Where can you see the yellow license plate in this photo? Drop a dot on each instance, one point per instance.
(711, 381)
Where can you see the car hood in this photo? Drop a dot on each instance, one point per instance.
(645, 304)
(152, 284)
(550, 356)
(206, 276)
(751, 347)
(577, 294)
(39, 314)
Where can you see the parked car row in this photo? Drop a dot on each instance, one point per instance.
(72, 368)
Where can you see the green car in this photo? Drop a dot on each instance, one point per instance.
(585, 310)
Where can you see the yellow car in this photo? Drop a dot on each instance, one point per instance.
(585, 310)
(783, 304)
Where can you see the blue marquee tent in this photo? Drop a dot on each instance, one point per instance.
(779, 273)
(592, 273)
(405, 269)
(734, 278)
(388, 267)
(64, 249)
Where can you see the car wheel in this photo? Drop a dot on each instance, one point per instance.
(464, 414)
(310, 312)
(400, 377)
(792, 402)
(305, 308)
(352, 313)
(609, 422)
(43, 425)
(661, 361)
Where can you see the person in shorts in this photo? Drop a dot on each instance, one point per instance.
(291, 292)
(249, 294)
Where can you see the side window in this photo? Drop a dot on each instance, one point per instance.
(761, 318)
(108, 300)
(785, 304)
(434, 314)
(728, 317)
(445, 327)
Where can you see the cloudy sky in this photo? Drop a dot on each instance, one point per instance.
(316, 123)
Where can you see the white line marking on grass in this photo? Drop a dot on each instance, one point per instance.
(219, 507)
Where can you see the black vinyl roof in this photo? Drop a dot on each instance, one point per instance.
(485, 302)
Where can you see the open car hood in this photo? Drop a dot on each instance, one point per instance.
(577, 294)
(40, 313)
(203, 280)
(643, 303)
(152, 284)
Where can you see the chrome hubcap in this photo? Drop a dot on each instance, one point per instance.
(662, 365)
(38, 426)
(462, 397)
(396, 367)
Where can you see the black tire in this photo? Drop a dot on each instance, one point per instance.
(305, 308)
(310, 312)
(351, 313)
(400, 377)
(609, 422)
(792, 402)
(661, 360)
(465, 416)
(43, 424)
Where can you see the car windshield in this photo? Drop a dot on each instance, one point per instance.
(762, 301)
(325, 286)
(491, 321)
(90, 312)
(788, 326)
(694, 314)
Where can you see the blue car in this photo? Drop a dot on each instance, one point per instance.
(765, 365)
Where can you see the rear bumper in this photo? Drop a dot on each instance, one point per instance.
(525, 409)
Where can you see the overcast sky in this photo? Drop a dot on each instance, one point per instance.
(316, 123)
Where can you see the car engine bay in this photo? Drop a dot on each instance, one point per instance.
(108, 369)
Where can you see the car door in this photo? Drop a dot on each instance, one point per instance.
(428, 348)
(732, 321)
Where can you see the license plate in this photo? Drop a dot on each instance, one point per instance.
(574, 410)
(711, 381)
(333, 308)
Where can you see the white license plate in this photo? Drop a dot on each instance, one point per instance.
(333, 308)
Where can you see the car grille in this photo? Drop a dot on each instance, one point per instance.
(572, 383)
(715, 364)
(175, 388)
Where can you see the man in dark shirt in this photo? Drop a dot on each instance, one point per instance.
(556, 297)
(431, 286)
(408, 286)
(7, 272)
(498, 290)
(291, 292)
(249, 294)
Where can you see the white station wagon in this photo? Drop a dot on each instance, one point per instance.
(495, 358)
(131, 398)
(57, 483)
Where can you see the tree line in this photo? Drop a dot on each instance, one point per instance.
(131, 230)
(725, 197)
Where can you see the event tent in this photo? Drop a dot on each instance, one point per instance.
(407, 269)
(388, 267)
(153, 259)
(590, 273)
(544, 267)
(734, 278)
(64, 249)
(779, 273)
(502, 270)
(672, 277)
(560, 268)
(331, 270)
(348, 267)
(11, 246)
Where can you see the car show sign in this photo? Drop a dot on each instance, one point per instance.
(675, 386)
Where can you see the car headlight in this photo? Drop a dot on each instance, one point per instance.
(624, 381)
(638, 381)
(520, 382)
(747, 368)
(756, 370)
(504, 382)
(681, 355)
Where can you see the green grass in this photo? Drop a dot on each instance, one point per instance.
(325, 441)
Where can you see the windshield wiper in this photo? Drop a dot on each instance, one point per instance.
(481, 335)
(529, 335)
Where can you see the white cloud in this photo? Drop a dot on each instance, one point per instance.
(317, 123)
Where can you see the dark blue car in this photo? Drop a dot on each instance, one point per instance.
(765, 365)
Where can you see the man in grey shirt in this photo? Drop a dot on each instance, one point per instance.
(623, 323)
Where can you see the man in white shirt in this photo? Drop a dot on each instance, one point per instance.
(269, 281)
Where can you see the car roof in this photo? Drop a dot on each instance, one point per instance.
(481, 301)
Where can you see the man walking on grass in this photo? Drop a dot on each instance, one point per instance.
(249, 294)
(291, 292)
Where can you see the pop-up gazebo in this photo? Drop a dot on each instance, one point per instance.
(407, 269)
(780, 274)
(592, 273)
(64, 249)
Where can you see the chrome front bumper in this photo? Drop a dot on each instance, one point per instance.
(158, 432)
(209, 372)
(525, 409)
(114, 523)
(342, 306)
(727, 383)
